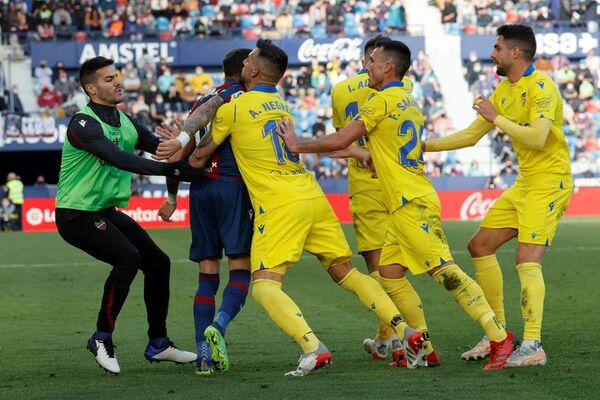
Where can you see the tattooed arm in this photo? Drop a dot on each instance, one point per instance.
(201, 115)
(203, 151)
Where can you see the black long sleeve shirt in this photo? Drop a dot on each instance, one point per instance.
(86, 133)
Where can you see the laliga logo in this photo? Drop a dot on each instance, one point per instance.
(475, 206)
(36, 216)
(344, 49)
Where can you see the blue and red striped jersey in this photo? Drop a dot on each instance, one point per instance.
(222, 163)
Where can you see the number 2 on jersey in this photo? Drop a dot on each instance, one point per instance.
(281, 150)
(408, 127)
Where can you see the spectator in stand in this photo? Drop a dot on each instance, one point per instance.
(158, 109)
(42, 76)
(64, 85)
(43, 13)
(115, 26)
(475, 169)
(49, 99)
(40, 181)
(165, 81)
(11, 102)
(201, 81)
(94, 21)
(8, 215)
(78, 16)
(449, 13)
(45, 30)
(131, 81)
(61, 15)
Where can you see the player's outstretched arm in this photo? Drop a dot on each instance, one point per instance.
(465, 138)
(90, 137)
(198, 119)
(339, 140)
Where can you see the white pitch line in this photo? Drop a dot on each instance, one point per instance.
(304, 257)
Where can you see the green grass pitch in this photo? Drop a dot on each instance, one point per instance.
(50, 293)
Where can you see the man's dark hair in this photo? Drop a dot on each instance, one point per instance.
(275, 56)
(87, 72)
(400, 54)
(234, 62)
(372, 44)
(522, 36)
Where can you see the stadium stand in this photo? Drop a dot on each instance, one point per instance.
(158, 92)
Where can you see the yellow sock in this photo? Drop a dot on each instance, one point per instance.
(409, 304)
(384, 330)
(533, 291)
(489, 278)
(372, 295)
(469, 295)
(285, 313)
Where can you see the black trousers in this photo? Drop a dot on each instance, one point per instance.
(114, 238)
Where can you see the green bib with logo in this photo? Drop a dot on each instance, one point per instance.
(88, 183)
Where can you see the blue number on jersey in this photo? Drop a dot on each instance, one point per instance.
(270, 129)
(407, 127)
(351, 111)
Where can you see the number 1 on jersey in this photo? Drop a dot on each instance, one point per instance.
(281, 150)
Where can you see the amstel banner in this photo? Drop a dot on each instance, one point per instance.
(38, 214)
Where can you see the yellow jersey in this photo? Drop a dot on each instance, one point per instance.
(394, 126)
(532, 97)
(273, 174)
(346, 99)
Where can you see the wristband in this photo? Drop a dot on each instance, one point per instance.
(171, 199)
(184, 138)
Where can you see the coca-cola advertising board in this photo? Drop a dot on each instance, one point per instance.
(38, 214)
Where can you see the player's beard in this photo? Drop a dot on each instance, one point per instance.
(112, 96)
(500, 70)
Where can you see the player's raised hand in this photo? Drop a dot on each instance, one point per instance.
(166, 210)
(169, 146)
(167, 131)
(485, 108)
(288, 133)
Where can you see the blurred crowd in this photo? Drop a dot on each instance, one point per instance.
(156, 93)
(474, 17)
(95, 19)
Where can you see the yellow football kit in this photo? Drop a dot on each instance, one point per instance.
(541, 193)
(369, 213)
(414, 237)
(291, 211)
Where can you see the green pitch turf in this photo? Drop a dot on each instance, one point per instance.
(50, 293)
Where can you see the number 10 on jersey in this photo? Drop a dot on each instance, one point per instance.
(279, 147)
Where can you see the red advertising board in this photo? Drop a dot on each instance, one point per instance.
(38, 214)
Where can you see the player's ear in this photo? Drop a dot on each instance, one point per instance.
(90, 88)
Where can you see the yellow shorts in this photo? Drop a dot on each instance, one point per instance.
(415, 238)
(534, 209)
(280, 235)
(370, 217)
